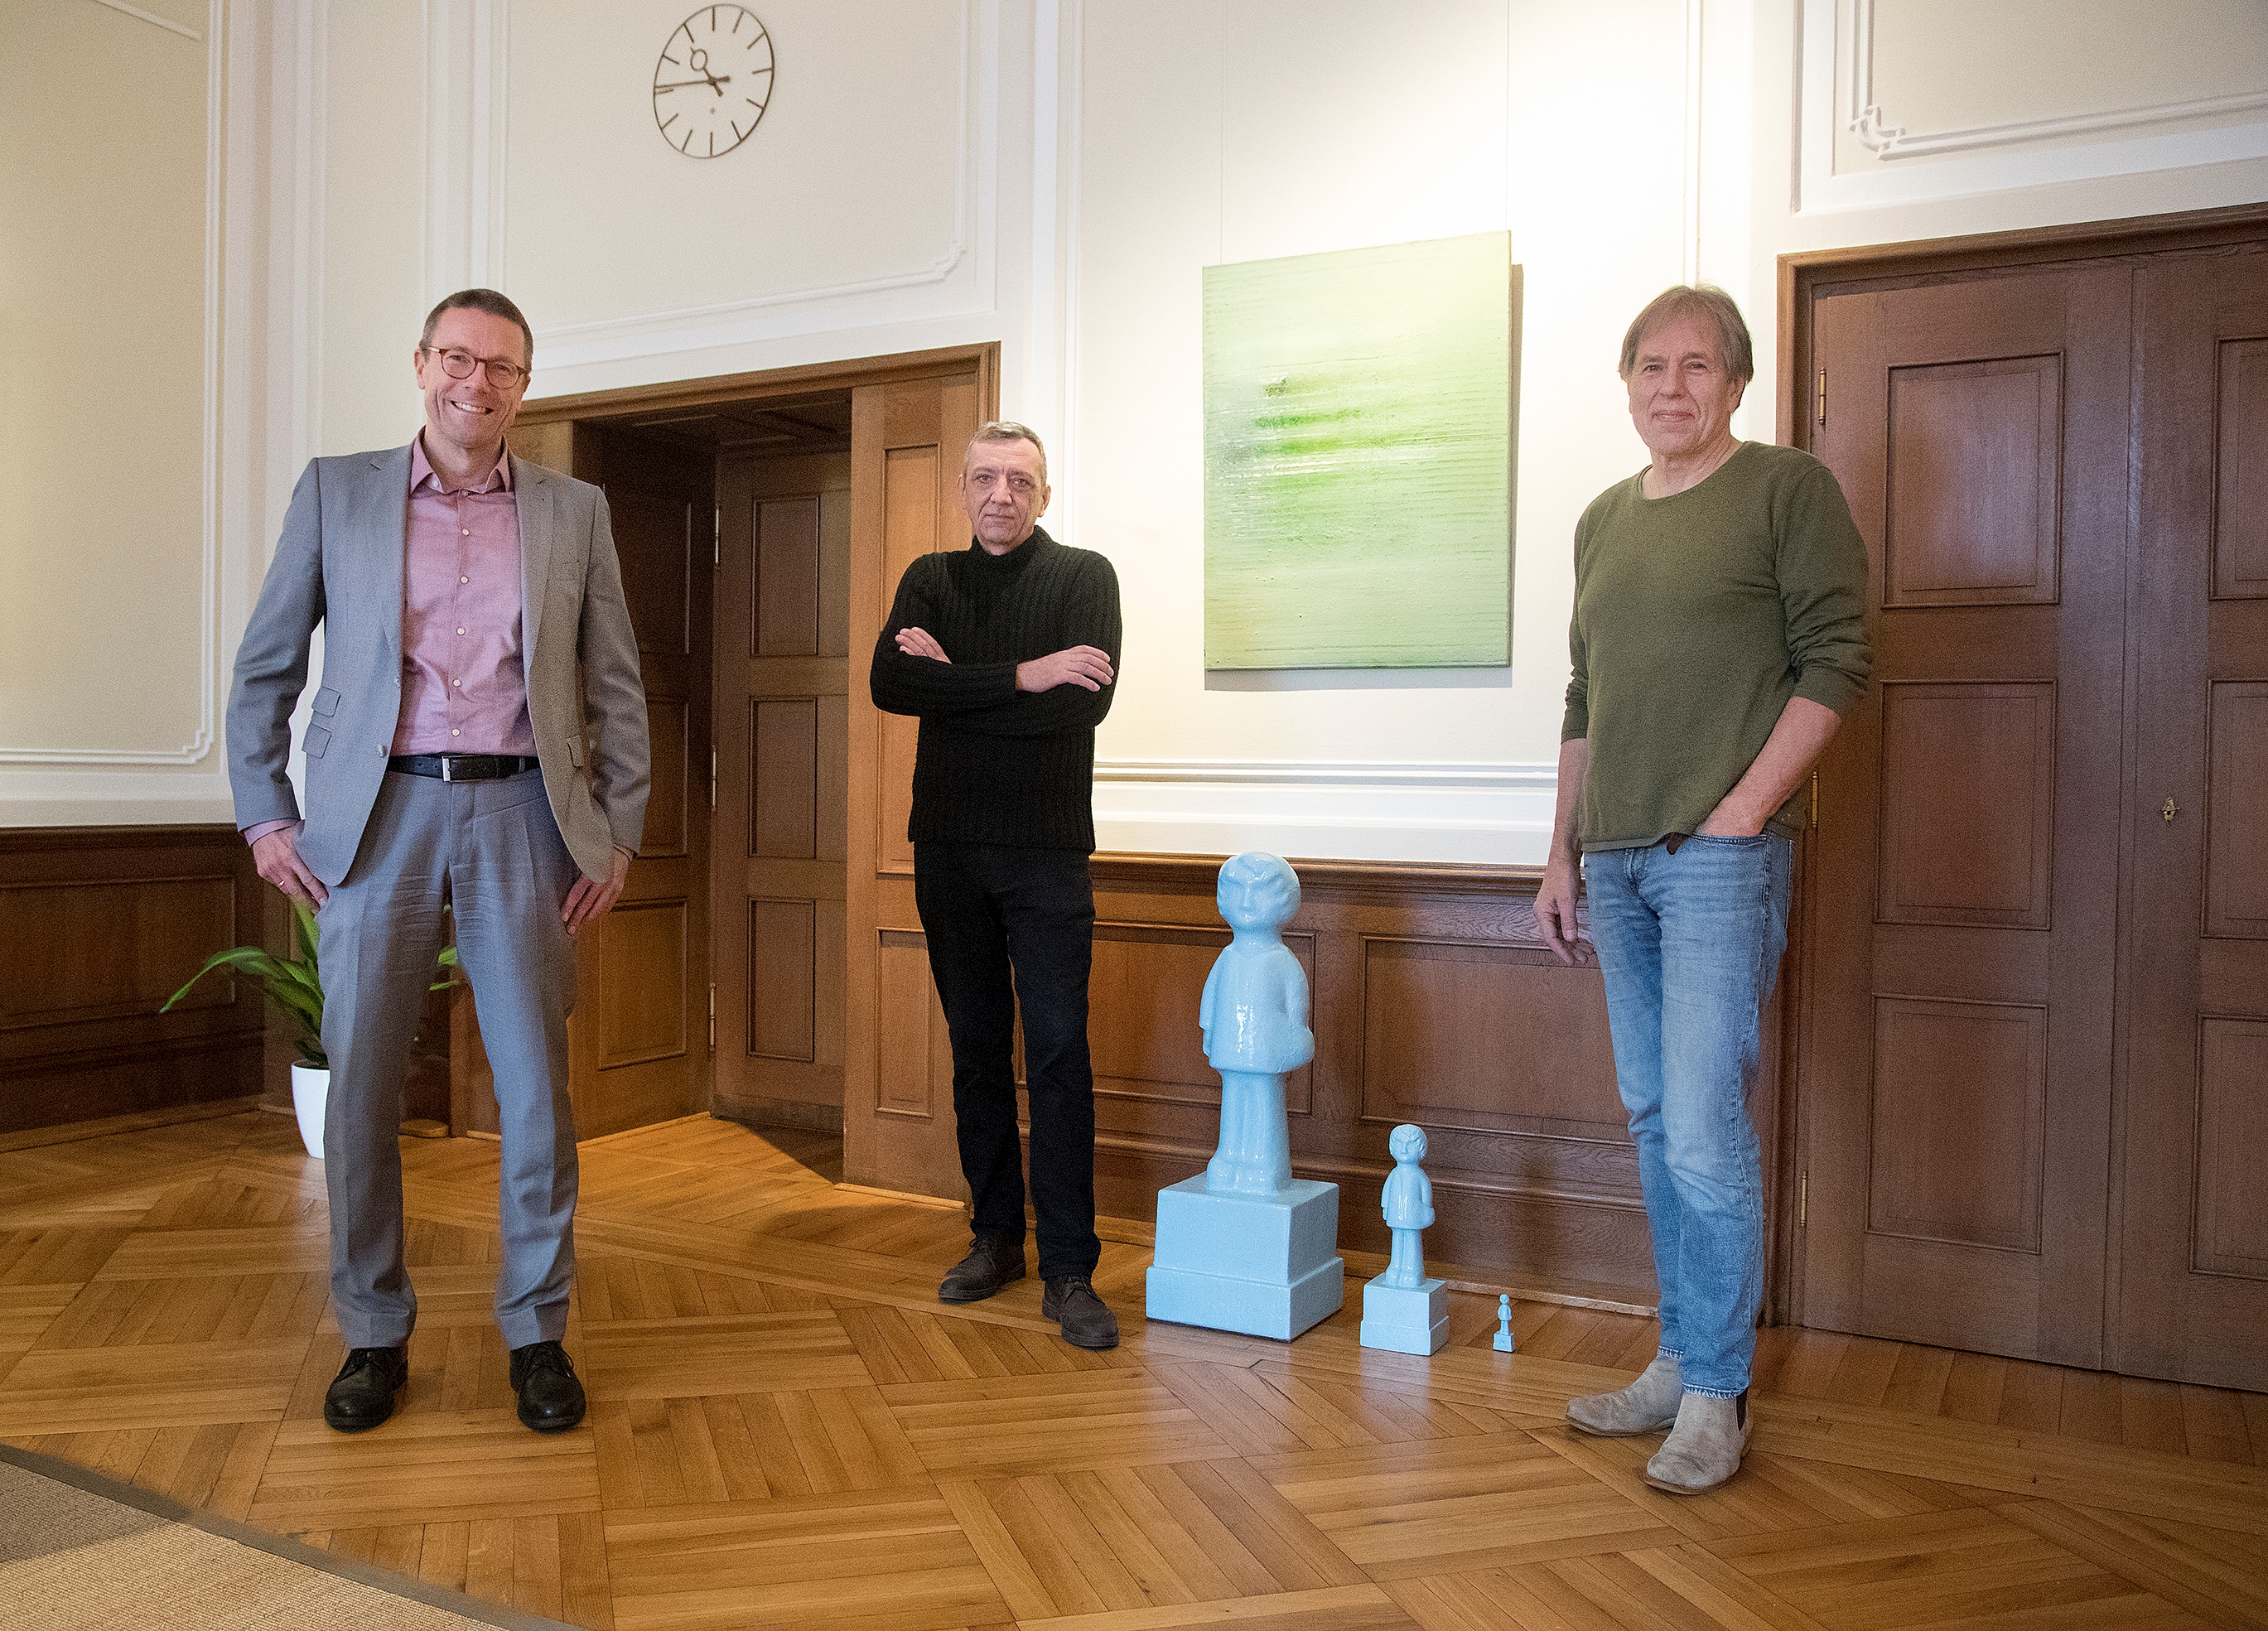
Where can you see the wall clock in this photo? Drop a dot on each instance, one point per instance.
(713, 81)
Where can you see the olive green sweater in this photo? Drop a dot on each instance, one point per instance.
(1696, 617)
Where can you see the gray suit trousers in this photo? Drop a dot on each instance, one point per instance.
(493, 852)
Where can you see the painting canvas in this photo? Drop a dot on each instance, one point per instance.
(1358, 454)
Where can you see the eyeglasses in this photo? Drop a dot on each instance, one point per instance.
(459, 366)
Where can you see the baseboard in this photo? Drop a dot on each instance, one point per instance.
(72, 1131)
(795, 1113)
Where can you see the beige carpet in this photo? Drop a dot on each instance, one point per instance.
(72, 1558)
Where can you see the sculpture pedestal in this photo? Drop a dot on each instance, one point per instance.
(1266, 1265)
(1403, 1319)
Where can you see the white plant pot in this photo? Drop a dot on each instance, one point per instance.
(311, 1095)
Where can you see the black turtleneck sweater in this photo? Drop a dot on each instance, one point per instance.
(995, 764)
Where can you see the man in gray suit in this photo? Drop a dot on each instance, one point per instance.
(453, 756)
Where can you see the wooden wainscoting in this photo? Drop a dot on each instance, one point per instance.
(98, 927)
(1434, 1002)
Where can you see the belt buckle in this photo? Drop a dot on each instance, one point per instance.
(444, 769)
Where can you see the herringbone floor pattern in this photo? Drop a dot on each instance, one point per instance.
(788, 1429)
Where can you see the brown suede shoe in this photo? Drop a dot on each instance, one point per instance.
(1704, 1451)
(1648, 1404)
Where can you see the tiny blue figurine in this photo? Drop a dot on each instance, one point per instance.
(1502, 1341)
(1244, 1245)
(1402, 1309)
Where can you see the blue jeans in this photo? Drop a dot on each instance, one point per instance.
(1690, 945)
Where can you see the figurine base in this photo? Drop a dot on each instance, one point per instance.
(1406, 1320)
(1265, 1264)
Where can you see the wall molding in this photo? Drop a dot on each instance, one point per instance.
(1867, 120)
(1689, 238)
(1346, 773)
(1466, 814)
(165, 23)
(214, 41)
(968, 253)
(467, 74)
(1837, 93)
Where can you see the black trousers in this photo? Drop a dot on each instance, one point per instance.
(1010, 927)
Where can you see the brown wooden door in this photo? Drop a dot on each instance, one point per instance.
(639, 1041)
(1955, 1081)
(2191, 1295)
(906, 443)
(783, 763)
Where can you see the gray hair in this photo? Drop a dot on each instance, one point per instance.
(1008, 431)
(481, 300)
(1708, 302)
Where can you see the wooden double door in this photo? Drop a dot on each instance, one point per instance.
(764, 958)
(2033, 1091)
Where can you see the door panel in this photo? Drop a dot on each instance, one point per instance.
(783, 764)
(906, 442)
(637, 1040)
(2191, 1290)
(638, 1048)
(1956, 1081)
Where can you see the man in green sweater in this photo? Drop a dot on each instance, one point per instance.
(1007, 652)
(1718, 635)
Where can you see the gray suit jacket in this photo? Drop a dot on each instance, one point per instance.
(340, 564)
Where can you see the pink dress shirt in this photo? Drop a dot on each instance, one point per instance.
(464, 682)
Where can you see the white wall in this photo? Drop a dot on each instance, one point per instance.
(1054, 174)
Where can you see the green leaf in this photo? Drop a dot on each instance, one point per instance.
(250, 959)
(309, 934)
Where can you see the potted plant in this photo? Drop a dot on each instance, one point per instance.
(296, 987)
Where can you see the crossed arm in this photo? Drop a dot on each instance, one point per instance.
(1084, 666)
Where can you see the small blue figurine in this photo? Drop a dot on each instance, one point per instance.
(1402, 1309)
(1255, 1017)
(1502, 1341)
(1408, 1205)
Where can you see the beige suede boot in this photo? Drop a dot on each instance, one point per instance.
(1705, 1449)
(1648, 1404)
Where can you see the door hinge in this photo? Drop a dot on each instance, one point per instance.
(1823, 397)
(712, 1019)
(1814, 798)
(1802, 1184)
(712, 782)
(717, 539)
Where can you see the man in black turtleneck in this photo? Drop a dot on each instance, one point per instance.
(1007, 653)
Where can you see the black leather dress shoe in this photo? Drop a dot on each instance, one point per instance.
(361, 1396)
(1087, 1321)
(550, 1397)
(990, 1265)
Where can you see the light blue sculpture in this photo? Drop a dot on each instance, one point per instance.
(1245, 1246)
(1502, 1341)
(1402, 1309)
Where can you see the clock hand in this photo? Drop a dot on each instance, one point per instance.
(712, 81)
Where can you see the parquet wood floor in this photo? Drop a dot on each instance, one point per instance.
(787, 1429)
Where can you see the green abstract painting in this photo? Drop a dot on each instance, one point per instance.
(1357, 411)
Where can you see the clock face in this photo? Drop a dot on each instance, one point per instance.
(713, 81)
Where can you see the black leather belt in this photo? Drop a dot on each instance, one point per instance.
(461, 766)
